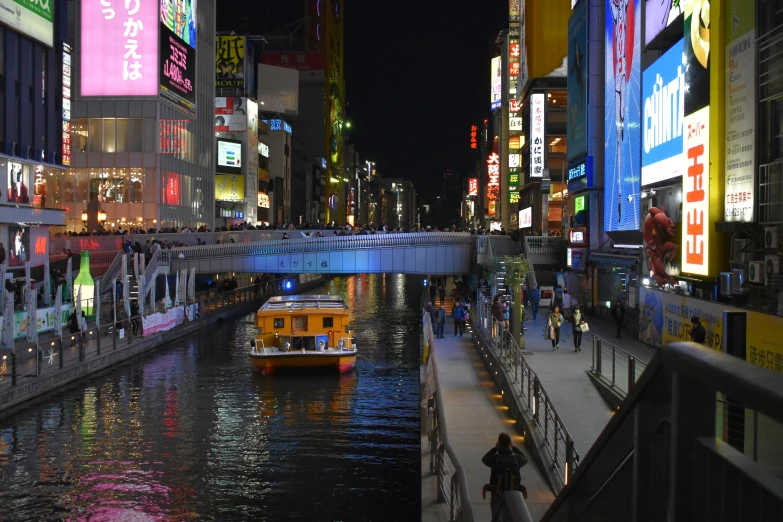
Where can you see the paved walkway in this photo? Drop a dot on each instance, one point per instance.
(475, 415)
(562, 373)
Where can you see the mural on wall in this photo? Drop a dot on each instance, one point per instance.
(659, 246)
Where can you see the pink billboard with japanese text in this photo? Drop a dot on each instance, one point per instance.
(119, 48)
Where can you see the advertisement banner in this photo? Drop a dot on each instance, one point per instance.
(576, 133)
(8, 321)
(537, 130)
(263, 200)
(252, 137)
(473, 187)
(115, 61)
(179, 17)
(177, 68)
(230, 62)
(66, 131)
(35, 18)
(493, 176)
(278, 88)
(311, 65)
(665, 318)
(231, 114)
(32, 314)
(45, 320)
(526, 217)
(162, 322)
(229, 156)
(496, 83)
(740, 106)
(58, 312)
(229, 187)
(658, 16)
(192, 284)
(622, 75)
(663, 92)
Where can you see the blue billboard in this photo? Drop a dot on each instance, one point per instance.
(623, 111)
(576, 131)
(663, 109)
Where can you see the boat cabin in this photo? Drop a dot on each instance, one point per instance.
(304, 322)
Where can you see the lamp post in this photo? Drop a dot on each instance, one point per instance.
(85, 218)
(101, 217)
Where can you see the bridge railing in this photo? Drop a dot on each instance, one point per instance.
(317, 244)
(618, 367)
(452, 480)
(542, 244)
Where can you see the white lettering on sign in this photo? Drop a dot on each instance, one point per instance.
(537, 126)
(696, 200)
(664, 111)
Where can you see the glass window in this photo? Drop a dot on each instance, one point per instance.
(95, 135)
(109, 134)
(80, 188)
(328, 322)
(279, 323)
(135, 183)
(135, 143)
(122, 135)
(79, 134)
(556, 144)
(109, 186)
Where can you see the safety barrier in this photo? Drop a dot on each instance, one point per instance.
(542, 244)
(620, 368)
(557, 442)
(452, 481)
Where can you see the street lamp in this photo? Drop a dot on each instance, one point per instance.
(101, 217)
(85, 218)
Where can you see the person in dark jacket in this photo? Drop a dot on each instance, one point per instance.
(618, 314)
(505, 461)
(440, 322)
(698, 333)
(535, 300)
(441, 293)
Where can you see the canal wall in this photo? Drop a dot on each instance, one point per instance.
(21, 395)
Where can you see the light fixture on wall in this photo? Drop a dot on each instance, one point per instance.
(101, 216)
(85, 218)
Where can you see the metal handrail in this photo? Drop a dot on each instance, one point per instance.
(114, 268)
(558, 443)
(623, 368)
(542, 244)
(319, 244)
(452, 486)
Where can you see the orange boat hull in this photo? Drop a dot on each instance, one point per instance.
(269, 364)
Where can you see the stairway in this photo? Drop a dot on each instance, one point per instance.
(133, 283)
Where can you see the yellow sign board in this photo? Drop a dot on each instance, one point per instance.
(229, 187)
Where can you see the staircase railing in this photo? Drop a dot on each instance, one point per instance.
(149, 273)
(114, 268)
(659, 458)
(531, 276)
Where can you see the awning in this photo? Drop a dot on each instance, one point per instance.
(613, 259)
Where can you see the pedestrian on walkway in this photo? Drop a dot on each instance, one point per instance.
(698, 333)
(134, 308)
(505, 461)
(553, 324)
(567, 304)
(535, 300)
(458, 314)
(498, 311)
(442, 293)
(440, 322)
(577, 320)
(431, 310)
(618, 314)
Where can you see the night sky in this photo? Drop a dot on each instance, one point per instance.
(416, 77)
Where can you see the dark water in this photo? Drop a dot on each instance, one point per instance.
(191, 433)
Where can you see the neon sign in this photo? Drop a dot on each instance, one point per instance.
(493, 172)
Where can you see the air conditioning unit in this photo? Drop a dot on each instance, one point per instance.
(771, 268)
(756, 272)
(770, 237)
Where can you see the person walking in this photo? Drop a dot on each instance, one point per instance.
(553, 324)
(618, 314)
(440, 322)
(505, 461)
(459, 321)
(577, 319)
(498, 312)
(134, 309)
(698, 333)
(431, 310)
(441, 293)
(535, 300)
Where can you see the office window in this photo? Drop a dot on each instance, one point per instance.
(279, 323)
(95, 135)
(136, 185)
(122, 135)
(135, 132)
(80, 188)
(109, 135)
(79, 134)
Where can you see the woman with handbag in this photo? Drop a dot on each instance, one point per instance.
(580, 326)
(553, 327)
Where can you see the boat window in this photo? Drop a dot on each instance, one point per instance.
(307, 343)
(328, 322)
(299, 324)
(279, 323)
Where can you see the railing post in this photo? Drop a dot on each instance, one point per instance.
(536, 386)
(62, 354)
(599, 347)
(114, 335)
(439, 468)
(570, 462)
(13, 369)
(546, 422)
(631, 372)
(98, 341)
(614, 365)
(37, 362)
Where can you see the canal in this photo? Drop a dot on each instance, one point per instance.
(191, 433)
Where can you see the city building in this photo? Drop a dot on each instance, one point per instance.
(279, 140)
(142, 150)
(397, 203)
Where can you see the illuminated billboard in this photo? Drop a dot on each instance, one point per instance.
(230, 62)
(178, 52)
(496, 83)
(472, 186)
(229, 187)
(658, 16)
(622, 83)
(537, 129)
(663, 102)
(493, 175)
(576, 130)
(526, 217)
(35, 18)
(231, 114)
(115, 61)
(229, 156)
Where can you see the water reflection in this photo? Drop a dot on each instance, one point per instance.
(193, 433)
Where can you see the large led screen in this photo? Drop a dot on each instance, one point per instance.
(576, 130)
(119, 48)
(663, 92)
(622, 125)
(229, 156)
(18, 245)
(658, 15)
(179, 17)
(178, 53)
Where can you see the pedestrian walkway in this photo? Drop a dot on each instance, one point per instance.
(562, 374)
(475, 415)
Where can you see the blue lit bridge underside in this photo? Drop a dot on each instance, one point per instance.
(422, 253)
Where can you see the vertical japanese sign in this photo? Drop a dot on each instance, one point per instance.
(66, 138)
(496, 83)
(513, 10)
(119, 48)
(696, 141)
(178, 52)
(537, 123)
(473, 137)
(472, 186)
(740, 111)
(230, 62)
(493, 176)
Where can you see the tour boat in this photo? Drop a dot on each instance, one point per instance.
(303, 332)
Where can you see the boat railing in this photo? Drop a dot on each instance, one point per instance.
(255, 351)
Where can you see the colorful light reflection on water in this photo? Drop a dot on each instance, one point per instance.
(190, 433)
